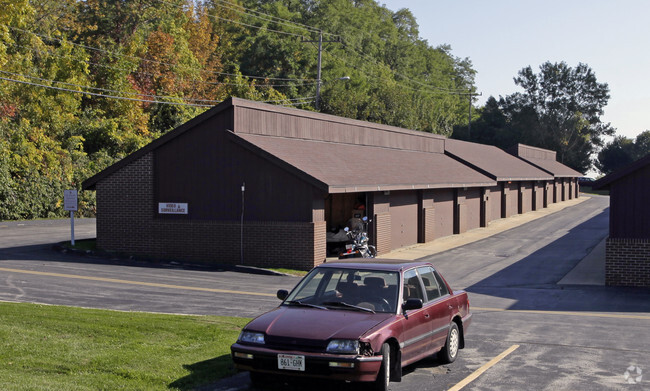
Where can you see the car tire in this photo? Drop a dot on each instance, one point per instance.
(383, 377)
(449, 352)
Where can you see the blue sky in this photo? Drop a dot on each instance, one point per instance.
(501, 37)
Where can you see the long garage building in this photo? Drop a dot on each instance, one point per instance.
(261, 185)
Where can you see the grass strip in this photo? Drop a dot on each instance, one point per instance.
(66, 348)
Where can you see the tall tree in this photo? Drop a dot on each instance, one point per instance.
(567, 104)
(560, 109)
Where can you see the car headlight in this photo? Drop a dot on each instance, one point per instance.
(251, 337)
(345, 346)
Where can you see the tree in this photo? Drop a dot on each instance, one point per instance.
(622, 151)
(560, 109)
(114, 75)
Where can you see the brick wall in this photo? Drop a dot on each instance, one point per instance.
(125, 208)
(627, 262)
(127, 223)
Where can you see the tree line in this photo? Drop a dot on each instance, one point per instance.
(84, 83)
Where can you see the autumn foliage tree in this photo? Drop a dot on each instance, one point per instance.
(85, 83)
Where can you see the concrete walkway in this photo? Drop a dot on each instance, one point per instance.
(590, 271)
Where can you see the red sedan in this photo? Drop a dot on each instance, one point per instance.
(356, 322)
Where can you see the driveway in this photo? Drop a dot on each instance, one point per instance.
(528, 332)
(30, 271)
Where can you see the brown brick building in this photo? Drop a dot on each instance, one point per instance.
(627, 260)
(305, 175)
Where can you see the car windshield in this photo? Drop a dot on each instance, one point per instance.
(347, 289)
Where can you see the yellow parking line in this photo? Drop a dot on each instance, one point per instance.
(482, 369)
(118, 281)
(567, 313)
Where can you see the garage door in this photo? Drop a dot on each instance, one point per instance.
(404, 218)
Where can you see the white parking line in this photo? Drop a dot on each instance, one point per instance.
(482, 369)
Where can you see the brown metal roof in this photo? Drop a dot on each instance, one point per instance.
(244, 116)
(606, 181)
(494, 162)
(353, 168)
(554, 167)
(544, 159)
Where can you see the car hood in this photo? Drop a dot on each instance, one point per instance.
(316, 324)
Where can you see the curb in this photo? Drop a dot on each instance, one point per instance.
(105, 257)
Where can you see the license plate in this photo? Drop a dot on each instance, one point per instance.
(291, 362)
(349, 246)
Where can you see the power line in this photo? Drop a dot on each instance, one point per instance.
(150, 61)
(108, 90)
(434, 89)
(268, 17)
(241, 23)
(308, 99)
(37, 50)
(101, 95)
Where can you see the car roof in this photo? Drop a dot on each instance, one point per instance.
(375, 264)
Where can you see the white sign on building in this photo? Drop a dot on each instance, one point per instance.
(172, 208)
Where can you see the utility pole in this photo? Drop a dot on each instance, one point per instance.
(320, 56)
(469, 122)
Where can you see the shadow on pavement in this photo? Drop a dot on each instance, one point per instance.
(58, 253)
(532, 281)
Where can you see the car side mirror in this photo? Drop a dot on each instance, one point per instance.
(282, 294)
(412, 304)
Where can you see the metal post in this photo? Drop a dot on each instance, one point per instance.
(72, 228)
(241, 233)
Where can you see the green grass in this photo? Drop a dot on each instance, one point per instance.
(66, 348)
(84, 244)
(291, 272)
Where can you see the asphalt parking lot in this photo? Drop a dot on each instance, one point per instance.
(531, 330)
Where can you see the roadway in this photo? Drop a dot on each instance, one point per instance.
(529, 331)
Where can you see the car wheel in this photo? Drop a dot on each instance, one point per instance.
(383, 377)
(449, 352)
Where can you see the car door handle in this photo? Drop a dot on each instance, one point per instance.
(451, 307)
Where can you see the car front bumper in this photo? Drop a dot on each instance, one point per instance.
(325, 365)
